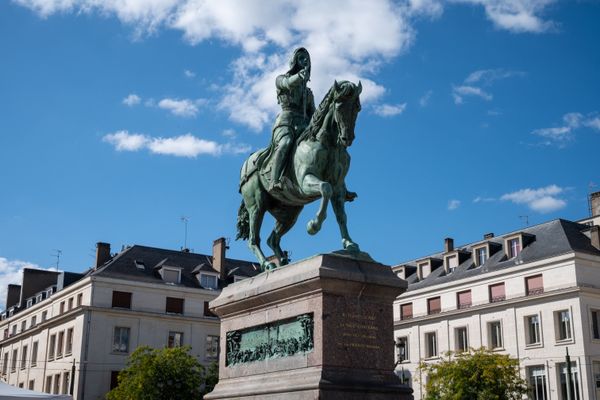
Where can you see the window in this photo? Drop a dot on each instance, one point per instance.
(29, 303)
(495, 334)
(463, 299)
(212, 347)
(434, 305)
(121, 340)
(14, 329)
(44, 315)
(62, 307)
(534, 285)
(461, 338)
(121, 299)
(79, 299)
(51, 347)
(49, 384)
(60, 344)
(171, 275)
(5, 364)
(175, 339)
(21, 384)
(514, 247)
(562, 321)
(481, 256)
(70, 304)
(31, 384)
(34, 351)
(402, 348)
(406, 311)
(451, 263)
(33, 321)
(207, 312)
(537, 383)
(568, 385)
(208, 281)
(65, 383)
(13, 364)
(39, 297)
(174, 305)
(596, 324)
(532, 324)
(56, 387)
(497, 292)
(23, 325)
(114, 379)
(424, 270)
(69, 344)
(24, 357)
(431, 345)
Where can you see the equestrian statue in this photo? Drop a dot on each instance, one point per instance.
(306, 160)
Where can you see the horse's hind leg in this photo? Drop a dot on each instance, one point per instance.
(285, 217)
(311, 185)
(255, 204)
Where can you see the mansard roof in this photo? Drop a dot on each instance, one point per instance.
(549, 239)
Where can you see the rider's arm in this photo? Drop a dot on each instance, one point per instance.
(288, 82)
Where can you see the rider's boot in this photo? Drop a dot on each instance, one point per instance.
(279, 158)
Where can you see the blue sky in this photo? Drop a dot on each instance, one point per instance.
(119, 117)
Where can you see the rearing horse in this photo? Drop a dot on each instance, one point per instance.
(320, 162)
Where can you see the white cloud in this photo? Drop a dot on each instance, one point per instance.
(186, 145)
(481, 199)
(460, 92)
(389, 110)
(542, 200)
(11, 272)
(453, 204)
(560, 135)
(424, 100)
(125, 141)
(488, 76)
(346, 42)
(132, 100)
(181, 108)
(516, 15)
(189, 74)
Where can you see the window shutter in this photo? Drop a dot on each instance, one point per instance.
(497, 292)
(121, 299)
(174, 305)
(434, 305)
(406, 311)
(464, 299)
(534, 284)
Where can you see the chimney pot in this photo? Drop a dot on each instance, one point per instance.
(595, 236)
(448, 245)
(102, 253)
(219, 247)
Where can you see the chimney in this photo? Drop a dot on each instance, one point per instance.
(594, 204)
(595, 236)
(218, 257)
(102, 253)
(448, 245)
(13, 295)
(488, 236)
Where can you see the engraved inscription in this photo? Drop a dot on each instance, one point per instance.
(358, 331)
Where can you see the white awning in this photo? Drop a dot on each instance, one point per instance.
(8, 392)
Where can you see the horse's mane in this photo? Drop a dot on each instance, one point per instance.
(318, 117)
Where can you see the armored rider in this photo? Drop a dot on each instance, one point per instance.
(297, 107)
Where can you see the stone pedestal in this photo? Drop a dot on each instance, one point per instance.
(320, 328)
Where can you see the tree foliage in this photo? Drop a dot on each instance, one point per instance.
(473, 375)
(159, 374)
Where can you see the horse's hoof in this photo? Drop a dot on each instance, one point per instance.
(351, 247)
(312, 227)
(270, 266)
(284, 261)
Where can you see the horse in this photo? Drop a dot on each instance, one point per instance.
(317, 169)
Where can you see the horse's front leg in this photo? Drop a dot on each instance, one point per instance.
(311, 186)
(337, 202)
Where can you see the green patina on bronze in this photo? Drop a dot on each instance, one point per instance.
(279, 339)
(306, 160)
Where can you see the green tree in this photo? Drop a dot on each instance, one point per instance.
(473, 375)
(211, 378)
(159, 374)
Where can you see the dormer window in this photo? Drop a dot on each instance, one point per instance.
(451, 263)
(39, 297)
(480, 255)
(424, 269)
(29, 302)
(209, 281)
(139, 264)
(513, 247)
(170, 274)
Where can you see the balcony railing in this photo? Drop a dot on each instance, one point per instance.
(496, 299)
(534, 291)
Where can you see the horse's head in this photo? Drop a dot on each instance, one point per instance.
(346, 105)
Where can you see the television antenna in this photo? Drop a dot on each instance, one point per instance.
(525, 218)
(185, 220)
(57, 255)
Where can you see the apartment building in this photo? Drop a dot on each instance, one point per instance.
(532, 294)
(72, 333)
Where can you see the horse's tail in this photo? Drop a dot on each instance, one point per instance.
(243, 223)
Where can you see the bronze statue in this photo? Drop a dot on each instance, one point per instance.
(307, 160)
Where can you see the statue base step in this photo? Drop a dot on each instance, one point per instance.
(320, 328)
